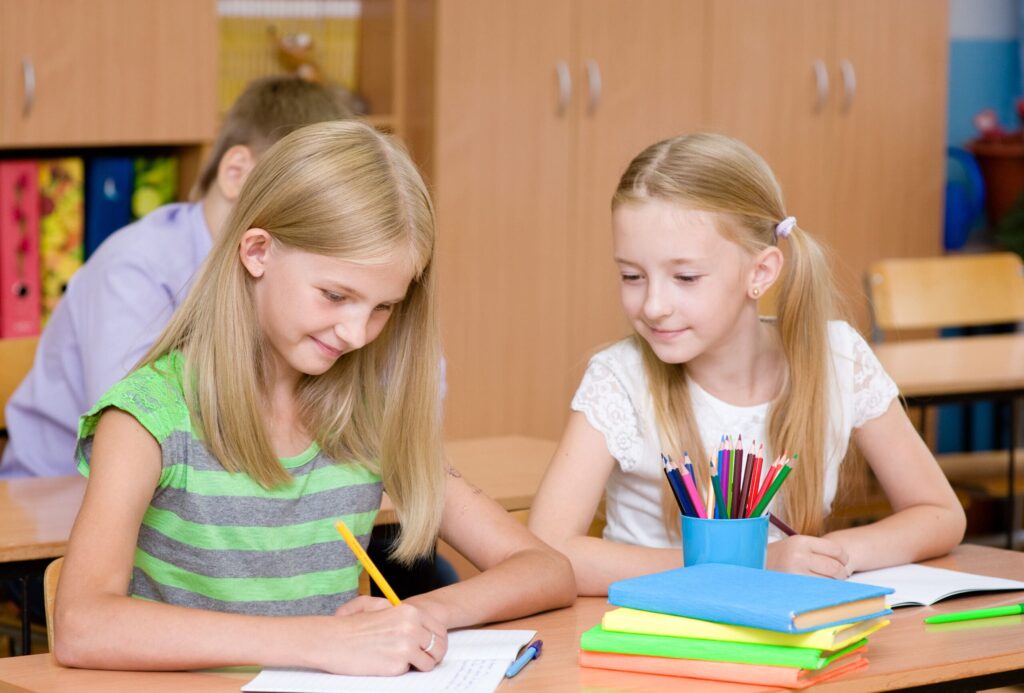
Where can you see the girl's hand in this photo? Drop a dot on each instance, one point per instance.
(367, 640)
(810, 556)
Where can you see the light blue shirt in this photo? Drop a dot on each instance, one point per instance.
(115, 307)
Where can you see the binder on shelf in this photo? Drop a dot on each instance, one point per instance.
(19, 249)
(109, 182)
(61, 226)
(155, 184)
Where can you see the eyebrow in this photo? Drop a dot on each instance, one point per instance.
(672, 261)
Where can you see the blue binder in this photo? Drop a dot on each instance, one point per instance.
(109, 182)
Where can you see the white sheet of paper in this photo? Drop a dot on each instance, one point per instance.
(475, 663)
(918, 585)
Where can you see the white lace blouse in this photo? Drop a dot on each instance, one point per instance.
(614, 397)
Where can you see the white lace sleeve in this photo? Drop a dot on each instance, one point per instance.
(873, 389)
(604, 400)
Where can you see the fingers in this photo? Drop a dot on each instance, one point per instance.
(437, 645)
(827, 547)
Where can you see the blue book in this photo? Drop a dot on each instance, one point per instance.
(109, 184)
(781, 602)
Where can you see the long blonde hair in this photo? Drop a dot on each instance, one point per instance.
(344, 190)
(715, 173)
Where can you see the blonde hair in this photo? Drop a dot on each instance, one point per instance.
(715, 173)
(344, 190)
(267, 110)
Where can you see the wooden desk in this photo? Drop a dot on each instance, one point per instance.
(905, 655)
(36, 515)
(963, 369)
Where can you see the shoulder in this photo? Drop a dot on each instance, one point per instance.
(153, 394)
(844, 341)
(155, 242)
(623, 355)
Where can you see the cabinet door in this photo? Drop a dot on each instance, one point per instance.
(107, 71)
(888, 165)
(769, 63)
(640, 69)
(501, 176)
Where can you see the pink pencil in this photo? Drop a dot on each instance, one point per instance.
(698, 504)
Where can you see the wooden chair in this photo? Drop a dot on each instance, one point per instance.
(951, 291)
(50, 579)
(16, 357)
(947, 291)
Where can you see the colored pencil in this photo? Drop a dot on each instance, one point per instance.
(691, 488)
(720, 507)
(737, 482)
(748, 473)
(755, 481)
(784, 471)
(368, 565)
(672, 484)
(774, 519)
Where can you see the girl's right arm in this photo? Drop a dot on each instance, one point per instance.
(98, 626)
(565, 505)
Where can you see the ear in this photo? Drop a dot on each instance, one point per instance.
(254, 251)
(233, 169)
(766, 268)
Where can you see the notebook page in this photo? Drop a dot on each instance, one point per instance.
(918, 585)
(475, 663)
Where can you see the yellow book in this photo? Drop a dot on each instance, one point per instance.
(651, 623)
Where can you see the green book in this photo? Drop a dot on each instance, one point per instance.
(598, 639)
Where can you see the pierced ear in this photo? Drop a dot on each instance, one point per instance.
(233, 169)
(254, 251)
(766, 270)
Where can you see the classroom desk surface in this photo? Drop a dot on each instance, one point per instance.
(904, 655)
(955, 366)
(36, 515)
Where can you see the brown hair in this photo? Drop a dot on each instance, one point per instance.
(269, 109)
(719, 174)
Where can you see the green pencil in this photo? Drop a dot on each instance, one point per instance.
(770, 493)
(977, 613)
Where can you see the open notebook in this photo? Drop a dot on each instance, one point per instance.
(475, 663)
(918, 585)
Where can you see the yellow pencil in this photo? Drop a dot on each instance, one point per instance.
(368, 565)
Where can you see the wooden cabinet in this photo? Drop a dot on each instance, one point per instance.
(523, 115)
(106, 72)
(846, 100)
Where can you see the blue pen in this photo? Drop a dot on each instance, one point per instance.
(529, 654)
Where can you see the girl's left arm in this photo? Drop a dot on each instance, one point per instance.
(521, 574)
(927, 519)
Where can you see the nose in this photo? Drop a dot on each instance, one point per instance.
(352, 330)
(655, 305)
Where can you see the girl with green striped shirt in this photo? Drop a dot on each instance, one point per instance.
(295, 384)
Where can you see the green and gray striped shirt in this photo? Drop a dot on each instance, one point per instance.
(213, 539)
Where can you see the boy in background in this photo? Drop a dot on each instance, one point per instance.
(122, 297)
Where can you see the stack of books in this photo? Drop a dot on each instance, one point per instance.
(731, 623)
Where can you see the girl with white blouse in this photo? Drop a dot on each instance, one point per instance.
(700, 231)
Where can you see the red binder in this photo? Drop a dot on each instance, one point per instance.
(19, 249)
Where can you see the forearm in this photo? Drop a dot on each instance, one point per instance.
(525, 583)
(114, 632)
(914, 534)
(598, 562)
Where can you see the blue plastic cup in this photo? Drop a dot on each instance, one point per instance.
(737, 542)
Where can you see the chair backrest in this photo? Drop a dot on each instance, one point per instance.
(51, 576)
(16, 357)
(947, 291)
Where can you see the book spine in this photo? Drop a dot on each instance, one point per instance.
(19, 249)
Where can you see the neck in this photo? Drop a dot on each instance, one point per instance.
(215, 210)
(746, 368)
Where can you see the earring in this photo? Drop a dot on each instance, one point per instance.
(756, 292)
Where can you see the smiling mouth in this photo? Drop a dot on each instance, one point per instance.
(329, 350)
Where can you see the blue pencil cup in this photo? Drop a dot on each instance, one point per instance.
(737, 542)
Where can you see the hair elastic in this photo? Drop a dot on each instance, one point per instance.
(785, 227)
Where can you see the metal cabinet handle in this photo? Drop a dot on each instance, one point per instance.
(594, 86)
(821, 80)
(28, 78)
(564, 86)
(849, 83)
